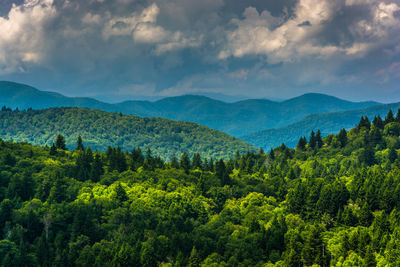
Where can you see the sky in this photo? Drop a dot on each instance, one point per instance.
(115, 50)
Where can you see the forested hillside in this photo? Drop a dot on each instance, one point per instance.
(101, 129)
(327, 123)
(332, 201)
(237, 119)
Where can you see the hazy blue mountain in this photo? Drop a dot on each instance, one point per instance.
(16, 95)
(238, 118)
(328, 123)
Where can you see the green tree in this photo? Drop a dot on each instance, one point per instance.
(60, 142)
(79, 144)
(185, 162)
(342, 137)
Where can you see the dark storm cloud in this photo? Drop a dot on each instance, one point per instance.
(157, 47)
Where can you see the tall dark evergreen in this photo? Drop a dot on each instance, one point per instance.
(60, 142)
(364, 123)
(185, 162)
(96, 169)
(301, 144)
(313, 141)
(79, 144)
(378, 122)
(197, 162)
(318, 139)
(53, 150)
(389, 117)
(137, 158)
(342, 137)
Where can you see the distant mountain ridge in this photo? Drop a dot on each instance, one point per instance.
(328, 123)
(237, 118)
(101, 129)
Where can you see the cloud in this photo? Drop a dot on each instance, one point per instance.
(144, 29)
(22, 34)
(289, 41)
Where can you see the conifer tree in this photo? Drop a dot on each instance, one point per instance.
(389, 117)
(397, 119)
(378, 122)
(301, 144)
(272, 154)
(342, 137)
(318, 139)
(79, 144)
(196, 162)
(60, 142)
(185, 162)
(313, 141)
(174, 162)
(96, 169)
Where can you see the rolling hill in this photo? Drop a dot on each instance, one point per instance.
(101, 129)
(328, 123)
(237, 119)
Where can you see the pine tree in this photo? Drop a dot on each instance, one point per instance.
(272, 154)
(137, 159)
(174, 162)
(313, 141)
(389, 117)
(378, 122)
(96, 169)
(185, 162)
(397, 119)
(53, 150)
(221, 172)
(318, 139)
(196, 162)
(342, 137)
(301, 144)
(364, 122)
(79, 144)
(60, 142)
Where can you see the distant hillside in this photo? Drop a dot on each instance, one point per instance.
(238, 118)
(328, 123)
(101, 129)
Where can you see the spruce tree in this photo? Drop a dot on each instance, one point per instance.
(342, 137)
(79, 144)
(272, 154)
(378, 122)
(96, 169)
(196, 162)
(60, 142)
(313, 141)
(174, 162)
(301, 144)
(318, 139)
(389, 117)
(185, 162)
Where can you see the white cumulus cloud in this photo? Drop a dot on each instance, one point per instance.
(22, 34)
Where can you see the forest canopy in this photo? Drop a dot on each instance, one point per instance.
(332, 201)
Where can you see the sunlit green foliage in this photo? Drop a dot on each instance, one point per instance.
(334, 204)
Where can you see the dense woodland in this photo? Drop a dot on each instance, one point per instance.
(101, 129)
(332, 201)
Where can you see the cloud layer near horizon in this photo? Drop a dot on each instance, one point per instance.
(126, 48)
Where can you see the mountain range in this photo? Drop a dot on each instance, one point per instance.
(328, 123)
(101, 129)
(237, 118)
